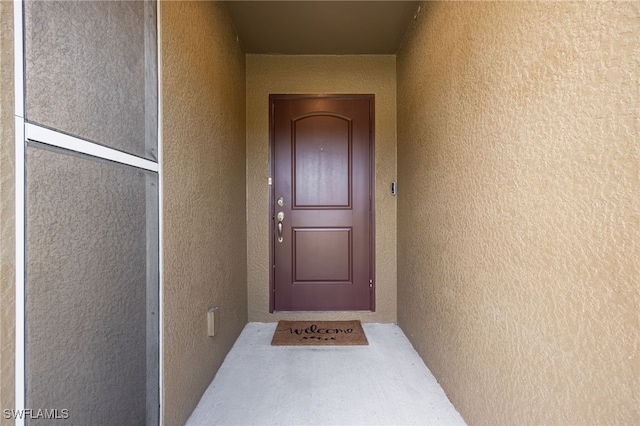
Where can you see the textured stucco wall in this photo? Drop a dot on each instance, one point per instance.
(268, 74)
(7, 215)
(92, 55)
(86, 264)
(518, 207)
(203, 95)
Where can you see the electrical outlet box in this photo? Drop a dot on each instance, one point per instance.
(213, 321)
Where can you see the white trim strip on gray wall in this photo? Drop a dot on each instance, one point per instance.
(20, 269)
(19, 200)
(160, 220)
(60, 140)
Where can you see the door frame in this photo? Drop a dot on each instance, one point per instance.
(372, 187)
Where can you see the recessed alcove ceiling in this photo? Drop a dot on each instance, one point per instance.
(321, 27)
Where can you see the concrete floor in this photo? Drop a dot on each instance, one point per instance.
(385, 383)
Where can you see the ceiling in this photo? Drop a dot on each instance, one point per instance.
(321, 27)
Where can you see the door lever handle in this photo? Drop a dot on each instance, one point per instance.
(280, 218)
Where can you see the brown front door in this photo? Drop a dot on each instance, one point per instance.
(322, 202)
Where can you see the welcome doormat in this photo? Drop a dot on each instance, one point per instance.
(321, 333)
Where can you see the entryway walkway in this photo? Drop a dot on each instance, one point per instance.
(385, 383)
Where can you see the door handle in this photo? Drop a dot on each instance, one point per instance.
(280, 218)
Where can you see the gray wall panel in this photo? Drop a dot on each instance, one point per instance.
(87, 273)
(85, 70)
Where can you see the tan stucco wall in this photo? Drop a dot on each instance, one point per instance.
(518, 208)
(7, 212)
(204, 243)
(267, 74)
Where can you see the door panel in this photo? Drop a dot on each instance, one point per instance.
(322, 149)
(322, 156)
(322, 255)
